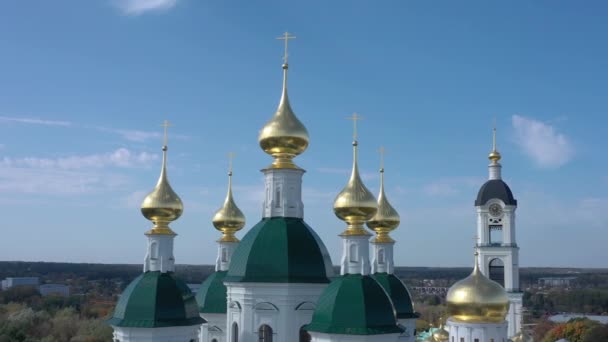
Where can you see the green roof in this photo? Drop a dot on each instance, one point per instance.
(354, 305)
(155, 300)
(280, 250)
(394, 287)
(211, 296)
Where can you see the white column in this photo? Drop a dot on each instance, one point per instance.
(159, 256)
(224, 255)
(382, 257)
(283, 197)
(355, 255)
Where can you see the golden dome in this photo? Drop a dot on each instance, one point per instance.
(284, 136)
(494, 156)
(477, 299)
(441, 335)
(355, 204)
(229, 219)
(386, 218)
(521, 337)
(162, 205)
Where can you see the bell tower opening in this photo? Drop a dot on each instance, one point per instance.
(495, 235)
(497, 271)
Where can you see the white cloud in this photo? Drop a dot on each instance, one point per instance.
(541, 142)
(451, 186)
(346, 172)
(33, 121)
(136, 7)
(121, 157)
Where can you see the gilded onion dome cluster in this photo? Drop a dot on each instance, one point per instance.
(355, 204)
(386, 218)
(284, 136)
(477, 299)
(162, 205)
(229, 219)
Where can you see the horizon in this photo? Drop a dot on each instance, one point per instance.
(86, 87)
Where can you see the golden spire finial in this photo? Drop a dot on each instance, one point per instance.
(162, 205)
(355, 117)
(166, 124)
(229, 219)
(286, 37)
(284, 136)
(494, 156)
(387, 218)
(355, 204)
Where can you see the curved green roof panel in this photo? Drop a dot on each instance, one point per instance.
(155, 300)
(354, 304)
(211, 297)
(396, 289)
(280, 250)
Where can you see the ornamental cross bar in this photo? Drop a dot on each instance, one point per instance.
(166, 124)
(286, 37)
(355, 117)
(382, 151)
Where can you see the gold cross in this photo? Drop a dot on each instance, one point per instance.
(286, 37)
(166, 124)
(494, 136)
(231, 156)
(382, 151)
(355, 117)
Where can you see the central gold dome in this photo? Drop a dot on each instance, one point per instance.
(477, 299)
(284, 136)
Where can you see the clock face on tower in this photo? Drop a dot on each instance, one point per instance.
(495, 210)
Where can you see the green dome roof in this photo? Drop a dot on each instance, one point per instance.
(155, 300)
(354, 305)
(211, 296)
(280, 250)
(399, 294)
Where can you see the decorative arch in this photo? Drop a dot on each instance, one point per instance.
(306, 306)
(381, 256)
(353, 249)
(496, 271)
(235, 305)
(154, 250)
(265, 306)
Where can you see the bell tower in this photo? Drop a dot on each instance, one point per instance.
(498, 251)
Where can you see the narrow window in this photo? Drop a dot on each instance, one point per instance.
(353, 253)
(277, 198)
(476, 340)
(381, 256)
(304, 335)
(154, 250)
(235, 332)
(224, 255)
(265, 333)
(491, 340)
(214, 340)
(462, 339)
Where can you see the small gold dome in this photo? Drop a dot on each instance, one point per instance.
(386, 219)
(229, 219)
(521, 337)
(355, 204)
(441, 335)
(494, 156)
(162, 205)
(284, 136)
(477, 299)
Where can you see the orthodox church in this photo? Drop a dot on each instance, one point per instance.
(278, 282)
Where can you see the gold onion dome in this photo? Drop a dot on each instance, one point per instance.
(162, 205)
(477, 299)
(229, 219)
(494, 156)
(441, 335)
(284, 136)
(386, 218)
(355, 204)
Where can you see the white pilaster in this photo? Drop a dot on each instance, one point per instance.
(355, 255)
(283, 196)
(477, 332)
(224, 255)
(159, 256)
(382, 257)
(169, 334)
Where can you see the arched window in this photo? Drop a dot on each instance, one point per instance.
(154, 250)
(265, 333)
(224, 255)
(277, 199)
(235, 332)
(381, 256)
(353, 252)
(497, 271)
(304, 335)
(214, 340)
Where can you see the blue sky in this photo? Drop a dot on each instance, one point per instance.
(85, 85)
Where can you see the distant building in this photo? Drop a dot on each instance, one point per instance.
(55, 290)
(22, 281)
(557, 281)
(563, 318)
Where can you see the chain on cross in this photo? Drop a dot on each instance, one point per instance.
(166, 124)
(355, 117)
(286, 37)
